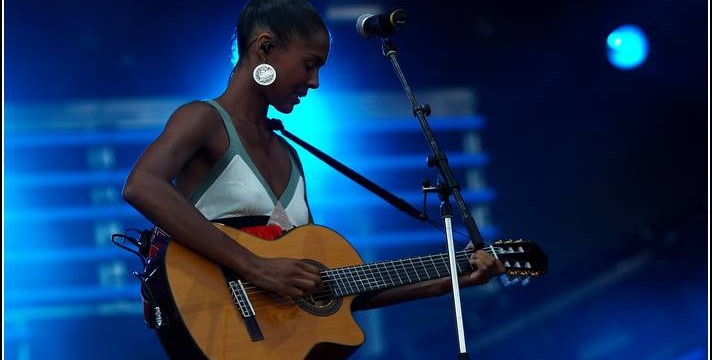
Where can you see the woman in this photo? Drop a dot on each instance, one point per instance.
(217, 160)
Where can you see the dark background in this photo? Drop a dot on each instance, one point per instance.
(595, 163)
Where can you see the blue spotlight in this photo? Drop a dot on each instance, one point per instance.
(234, 54)
(627, 47)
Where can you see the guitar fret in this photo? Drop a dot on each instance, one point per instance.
(428, 266)
(435, 266)
(366, 279)
(350, 282)
(375, 282)
(372, 281)
(330, 282)
(405, 270)
(417, 267)
(457, 264)
(444, 263)
(383, 278)
(390, 278)
(380, 280)
(427, 273)
(401, 274)
(465, 261)
(357, 279)
(396, 271)
(413, 266)
(412, 270)
(362, 278)
(341, 281)
(354, 280)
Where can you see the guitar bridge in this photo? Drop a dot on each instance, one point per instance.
(239, 296)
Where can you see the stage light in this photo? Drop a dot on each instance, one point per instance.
(234, 55)
(627, 47)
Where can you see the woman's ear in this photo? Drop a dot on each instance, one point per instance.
(264, 42)
(266, 46)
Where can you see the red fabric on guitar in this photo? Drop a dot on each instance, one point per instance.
(264, 232)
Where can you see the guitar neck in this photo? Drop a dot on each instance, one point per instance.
(386, 274)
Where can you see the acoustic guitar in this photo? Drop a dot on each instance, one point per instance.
(204, 311)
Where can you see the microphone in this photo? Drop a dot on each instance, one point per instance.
(381, 25)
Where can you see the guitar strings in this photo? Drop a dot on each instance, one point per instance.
(395, 270)
(365, 280)
(326, 294)
(392, 271)
(361, 279)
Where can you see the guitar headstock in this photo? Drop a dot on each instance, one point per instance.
(522, 260)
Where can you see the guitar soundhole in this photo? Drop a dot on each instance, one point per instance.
(321, 303)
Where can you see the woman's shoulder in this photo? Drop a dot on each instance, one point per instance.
(194, 119)
(196, 109)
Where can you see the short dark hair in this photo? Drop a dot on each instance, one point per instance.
(283, 18)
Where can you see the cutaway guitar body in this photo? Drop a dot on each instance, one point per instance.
(209, 312)
(213, 324)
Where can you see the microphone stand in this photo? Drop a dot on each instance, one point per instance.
(449, 187)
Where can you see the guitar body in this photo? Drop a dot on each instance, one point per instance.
(204, 320)
(202, 310)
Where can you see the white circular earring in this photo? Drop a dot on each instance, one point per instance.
(264, 74)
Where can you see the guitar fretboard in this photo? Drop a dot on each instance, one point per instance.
(386, 274)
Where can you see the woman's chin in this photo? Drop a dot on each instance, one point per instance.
(285, 109)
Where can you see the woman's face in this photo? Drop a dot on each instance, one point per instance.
(297, 64)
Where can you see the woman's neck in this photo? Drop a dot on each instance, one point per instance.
(245, 104)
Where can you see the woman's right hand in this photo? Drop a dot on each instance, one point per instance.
(290, 278)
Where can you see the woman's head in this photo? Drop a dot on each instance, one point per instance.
(291, 37)
(283, 19)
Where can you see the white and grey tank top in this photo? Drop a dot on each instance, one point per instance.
(235, 188)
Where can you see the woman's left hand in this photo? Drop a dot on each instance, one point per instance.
(487, 267)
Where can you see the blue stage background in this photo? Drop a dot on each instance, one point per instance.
(606, 169)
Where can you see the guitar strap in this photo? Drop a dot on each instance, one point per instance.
(400, 204)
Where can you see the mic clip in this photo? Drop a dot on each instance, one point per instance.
(423, 108)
